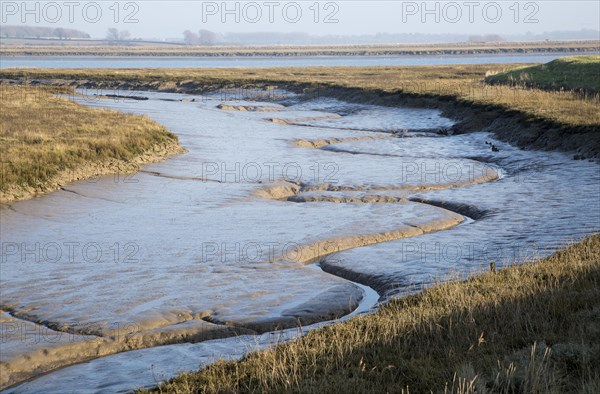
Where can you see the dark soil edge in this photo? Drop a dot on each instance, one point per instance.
(507, 124)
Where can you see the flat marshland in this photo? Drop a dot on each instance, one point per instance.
(47, 141)
(518, 113)
(533, 328)
(24, 47)
(465, 83)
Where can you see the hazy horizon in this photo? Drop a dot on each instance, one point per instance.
(168, 20)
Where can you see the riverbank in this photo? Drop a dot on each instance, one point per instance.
(48, 141)
(527, 117)
(172, 182)
(135, 49)
(529, 328)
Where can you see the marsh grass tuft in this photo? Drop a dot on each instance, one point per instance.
(533, 328)
(46, 141)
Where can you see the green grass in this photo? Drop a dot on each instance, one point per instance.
(579, 73)
(533, 328)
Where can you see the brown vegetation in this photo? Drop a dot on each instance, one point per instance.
(47, 141)
(524, 329)
(141, 49)
(528, 117)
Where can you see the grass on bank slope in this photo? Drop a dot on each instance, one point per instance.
(579, 73)
(46, 141)
(533, 328)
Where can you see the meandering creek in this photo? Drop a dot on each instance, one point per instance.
(285, 211)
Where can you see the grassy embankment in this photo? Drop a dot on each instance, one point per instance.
(533, 328)
(580, 74)
(137, 49)
(46, 141)
(528, 117)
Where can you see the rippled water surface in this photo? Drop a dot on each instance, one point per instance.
(224, 233)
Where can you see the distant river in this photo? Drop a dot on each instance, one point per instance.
(264, 61)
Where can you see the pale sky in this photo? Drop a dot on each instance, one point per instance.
(154, 18)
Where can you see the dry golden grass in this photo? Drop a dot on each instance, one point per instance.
(46, 140)
(525, 329)
(463, 83)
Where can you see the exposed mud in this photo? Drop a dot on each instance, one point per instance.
(315, 144)
(507, 125)
(406, 214)
(249, 108)
(300, 120)
(50, 347)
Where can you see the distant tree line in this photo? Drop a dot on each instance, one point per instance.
(486, 38)
(114, 34)
(206, 37)
(42, 32)
(203, 37)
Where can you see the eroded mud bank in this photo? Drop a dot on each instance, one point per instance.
(507, 125)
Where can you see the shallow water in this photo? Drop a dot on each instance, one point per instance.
(225, 231)
(543, 201)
